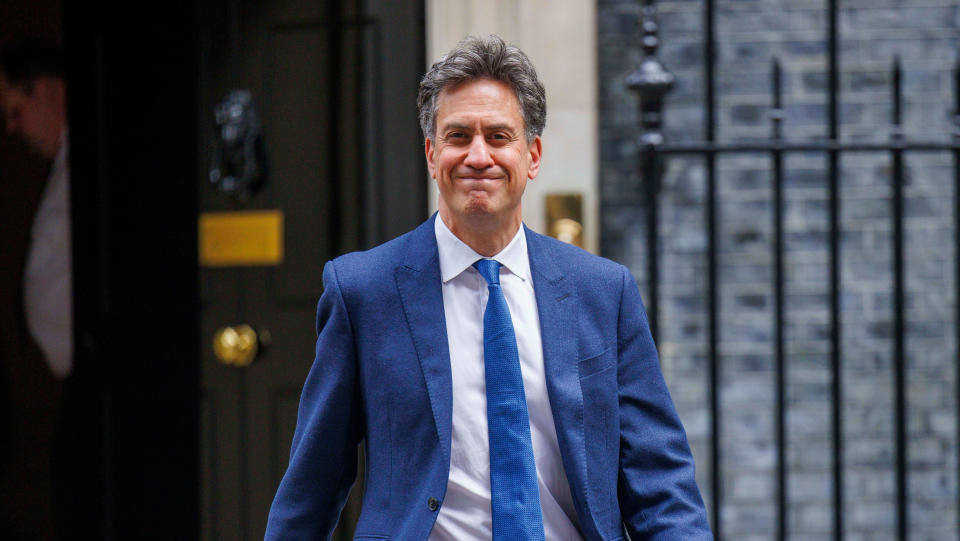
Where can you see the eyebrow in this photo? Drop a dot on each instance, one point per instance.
(491, 127)
(454, 126)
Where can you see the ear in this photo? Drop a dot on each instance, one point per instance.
(536, 151)
(428, 150)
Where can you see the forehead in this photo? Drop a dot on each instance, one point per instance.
(478, 99)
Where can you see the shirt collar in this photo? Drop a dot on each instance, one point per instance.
(456, 256)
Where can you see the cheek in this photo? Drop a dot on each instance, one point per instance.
(445, 164)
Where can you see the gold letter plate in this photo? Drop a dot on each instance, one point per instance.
(241, 239)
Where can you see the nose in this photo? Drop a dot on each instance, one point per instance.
(478, 155)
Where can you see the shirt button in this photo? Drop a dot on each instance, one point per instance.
(433, 504)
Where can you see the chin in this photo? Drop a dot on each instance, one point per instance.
(477, 206)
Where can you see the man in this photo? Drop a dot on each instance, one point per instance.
(33, 102)
(504, 384)
(36, 350)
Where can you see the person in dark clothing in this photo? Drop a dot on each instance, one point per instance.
(36, 342)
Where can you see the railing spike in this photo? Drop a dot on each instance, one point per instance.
(651, 80)
(956, 91)
(897, 97)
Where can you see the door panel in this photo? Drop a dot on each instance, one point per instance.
(299, 100)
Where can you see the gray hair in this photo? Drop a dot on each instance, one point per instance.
(484, 58)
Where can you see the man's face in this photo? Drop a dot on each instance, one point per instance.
(37, 114)
(480, 159)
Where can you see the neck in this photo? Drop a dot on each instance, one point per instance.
(485, 237)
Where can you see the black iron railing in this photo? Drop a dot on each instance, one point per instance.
(652, 82)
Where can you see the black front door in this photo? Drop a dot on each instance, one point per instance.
(164, 440)
(333, 84)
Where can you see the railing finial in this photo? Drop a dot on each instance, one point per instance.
(651, 80)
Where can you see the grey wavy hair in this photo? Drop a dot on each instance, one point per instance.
(484, 58)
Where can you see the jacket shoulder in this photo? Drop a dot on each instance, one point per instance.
(370, 266)
(364, 271)
(572, 259)
(385, 253)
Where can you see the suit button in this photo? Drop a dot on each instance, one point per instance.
(433, 504)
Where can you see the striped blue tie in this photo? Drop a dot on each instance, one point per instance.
(515, 498)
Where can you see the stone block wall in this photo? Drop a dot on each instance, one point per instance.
(750, 33)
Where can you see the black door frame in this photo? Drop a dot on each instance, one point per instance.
(132, 405)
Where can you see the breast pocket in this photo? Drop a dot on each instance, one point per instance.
(598, 383)
(606, 360)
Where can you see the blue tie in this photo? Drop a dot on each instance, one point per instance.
(515, 498)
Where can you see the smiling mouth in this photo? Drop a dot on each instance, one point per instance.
(466, 178)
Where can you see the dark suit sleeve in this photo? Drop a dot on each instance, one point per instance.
(658, 494)
(323, 456)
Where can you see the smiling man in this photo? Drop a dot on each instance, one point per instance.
(504, 384)
(481, 158)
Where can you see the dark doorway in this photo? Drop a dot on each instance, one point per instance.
(131, 406)
(170, 443)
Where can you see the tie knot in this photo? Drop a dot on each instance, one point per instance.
(489, 269)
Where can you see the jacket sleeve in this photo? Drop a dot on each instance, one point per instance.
(323, 457)
(658, 494)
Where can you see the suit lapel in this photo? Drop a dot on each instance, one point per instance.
(418, 281)
(558, 307)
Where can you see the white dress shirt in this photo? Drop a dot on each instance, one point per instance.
(465, 513)
(48, 277)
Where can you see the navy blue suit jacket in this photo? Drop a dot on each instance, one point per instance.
(382, 376)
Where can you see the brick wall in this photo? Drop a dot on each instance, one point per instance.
(926, 36)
